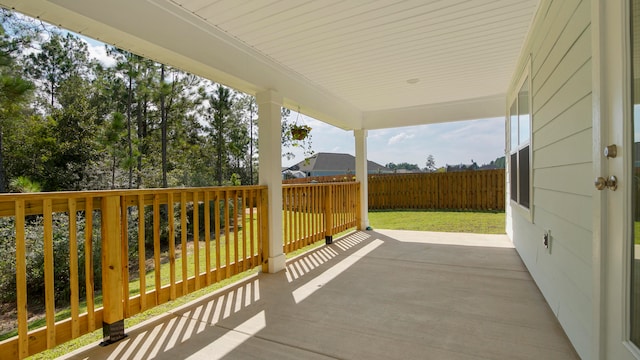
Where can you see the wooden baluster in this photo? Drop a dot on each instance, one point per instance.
(172, 247)
(21, 282)
(243, 215)
(88, 263)
(207, 235)
(235, 232)
(216, 223)
(124, 235)
(49, 289)
(73, 270)
(196, 240)
(183, 241)
(227, 235)
(252, 236)
(156, 246)
(142, 258)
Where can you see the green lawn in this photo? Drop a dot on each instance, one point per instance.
(444, 221)
(134, 283)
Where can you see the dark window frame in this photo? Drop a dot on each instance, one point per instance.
(519, 123)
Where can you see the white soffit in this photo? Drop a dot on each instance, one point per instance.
(351, 63)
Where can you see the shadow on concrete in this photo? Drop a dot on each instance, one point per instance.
(369, 295)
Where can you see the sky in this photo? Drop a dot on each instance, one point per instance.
(450, 143)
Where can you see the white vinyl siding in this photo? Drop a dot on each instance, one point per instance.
(559, 46)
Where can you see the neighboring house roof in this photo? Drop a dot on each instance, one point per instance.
(296, 174)
(334, 162)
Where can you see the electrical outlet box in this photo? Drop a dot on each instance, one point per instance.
(546, 240)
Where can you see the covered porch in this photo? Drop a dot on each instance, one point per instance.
(369, 295)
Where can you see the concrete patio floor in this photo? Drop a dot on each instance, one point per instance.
(370, 295)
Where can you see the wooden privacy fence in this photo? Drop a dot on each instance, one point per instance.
(468, 190)
(174, 241)
(316, 211)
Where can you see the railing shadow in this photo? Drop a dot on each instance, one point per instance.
(368, 295)
(199, 322)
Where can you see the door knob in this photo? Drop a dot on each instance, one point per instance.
(602, 183)
(610, 151)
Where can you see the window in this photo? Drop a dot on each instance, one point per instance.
(520, 145)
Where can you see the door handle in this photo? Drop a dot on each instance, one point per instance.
(602, 183)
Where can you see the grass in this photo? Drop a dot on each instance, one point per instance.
(134, 283)
(443, 221)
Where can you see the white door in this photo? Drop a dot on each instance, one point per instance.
(616, 63)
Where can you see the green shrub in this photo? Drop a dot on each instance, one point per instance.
(34, 244)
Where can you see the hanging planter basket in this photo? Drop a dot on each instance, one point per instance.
(300, 132)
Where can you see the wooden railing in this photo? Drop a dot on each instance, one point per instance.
(313, 212)
(174, 241)
(468, 190)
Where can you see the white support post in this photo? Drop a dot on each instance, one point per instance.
(362, 175)
(270, 173)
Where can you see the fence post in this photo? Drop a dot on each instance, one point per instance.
(328, 215)
(263, 218)
(113, 308)
(359, 223)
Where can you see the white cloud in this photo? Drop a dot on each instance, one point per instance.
(399, 138)
(98, 51)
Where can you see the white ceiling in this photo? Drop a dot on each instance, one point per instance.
(352, 63)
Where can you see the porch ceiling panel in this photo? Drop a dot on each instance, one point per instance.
(353, 64)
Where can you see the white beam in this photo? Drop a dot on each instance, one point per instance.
(469, 109)
(270, 159)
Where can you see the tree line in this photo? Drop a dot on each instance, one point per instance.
(68, 122)
(430, 166)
